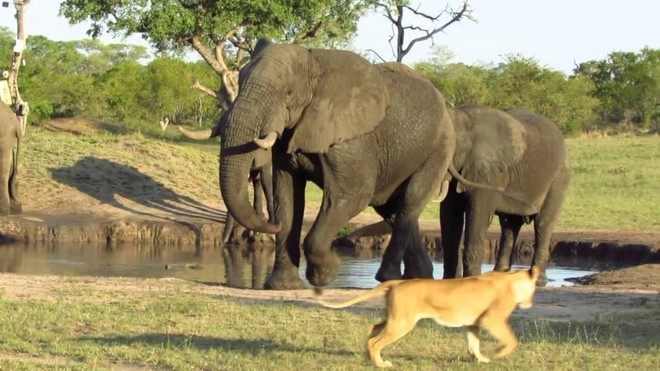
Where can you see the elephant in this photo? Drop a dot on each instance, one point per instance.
(260, 174)
(517, 150)
(524, 157)
(11, 137)
(367, 134)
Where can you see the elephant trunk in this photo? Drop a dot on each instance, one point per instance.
(236, 158)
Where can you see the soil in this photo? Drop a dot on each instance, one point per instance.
(45, 220)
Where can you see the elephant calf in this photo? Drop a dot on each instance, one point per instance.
(10, 150)
(524, 154)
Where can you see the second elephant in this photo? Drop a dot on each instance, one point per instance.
(524, 154)
(10, 151)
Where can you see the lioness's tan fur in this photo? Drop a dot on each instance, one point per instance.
(482, 301)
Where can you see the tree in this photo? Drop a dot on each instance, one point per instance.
(223, 33)
(627, 84)
(394, 11)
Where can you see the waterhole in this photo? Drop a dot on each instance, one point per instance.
(235, 266)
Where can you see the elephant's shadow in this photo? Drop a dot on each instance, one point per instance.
(109, 182)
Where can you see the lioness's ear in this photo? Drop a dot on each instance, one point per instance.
(534, 273)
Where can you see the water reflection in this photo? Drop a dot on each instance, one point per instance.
(237, 266)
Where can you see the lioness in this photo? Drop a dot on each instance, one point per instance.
(487, 301)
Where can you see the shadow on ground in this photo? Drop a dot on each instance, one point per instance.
(107, 180)
(247, 346)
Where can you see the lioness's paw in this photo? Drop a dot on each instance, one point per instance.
(483, 359)
(385, 364)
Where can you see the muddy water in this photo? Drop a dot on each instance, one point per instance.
(236, 266)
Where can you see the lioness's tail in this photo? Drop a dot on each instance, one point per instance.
(380, 289)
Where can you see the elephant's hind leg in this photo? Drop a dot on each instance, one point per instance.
(510, 227)
(544, 225)
(421, 188)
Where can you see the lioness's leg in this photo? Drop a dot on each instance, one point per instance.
(473, 344)
(392, 332)
(503, 333)
(374, 330)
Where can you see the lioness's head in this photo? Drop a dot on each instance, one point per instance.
(524, 286)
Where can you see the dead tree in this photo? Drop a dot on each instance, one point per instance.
(394, 11)
(21, 107)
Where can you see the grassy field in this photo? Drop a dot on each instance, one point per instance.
(615, 183)
(174, 329)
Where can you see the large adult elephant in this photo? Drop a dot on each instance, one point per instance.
(10, 151)
(366, 134)
(520, 152)
(260, 174)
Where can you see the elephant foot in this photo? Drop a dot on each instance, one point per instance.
(284, 279)
(501, 268)
(388, 273)
(418, 266)
(471, 271)
(543, 280)
(322, 269)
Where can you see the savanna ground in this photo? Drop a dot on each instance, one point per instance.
(73, 172)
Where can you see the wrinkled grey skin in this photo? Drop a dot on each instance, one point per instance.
(260, 174)
(520, 151)
(366, 134)
(10, 151)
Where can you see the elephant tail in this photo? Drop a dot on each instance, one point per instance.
(459, 177)
(380, 289)
(513, 196)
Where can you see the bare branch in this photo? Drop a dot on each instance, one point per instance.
(398, 29)
(377, 55)
(208, 91)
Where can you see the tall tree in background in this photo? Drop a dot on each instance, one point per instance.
(627, 84)
(223, 33)
(424, 25)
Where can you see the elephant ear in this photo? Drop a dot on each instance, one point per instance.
(498, 144)
(349, 99)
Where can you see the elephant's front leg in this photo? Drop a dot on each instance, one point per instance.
(289, 205)
(479, 212)
(337, 209)
(5, 175)
(15, 204)
(452, 216)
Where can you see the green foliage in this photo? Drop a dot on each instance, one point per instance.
(517, 82)
(628, 86)
(170, 25)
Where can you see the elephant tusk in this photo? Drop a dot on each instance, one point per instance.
(444, 189)
(268, 141)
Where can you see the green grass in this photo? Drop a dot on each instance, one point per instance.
(615, 184)
(176, 330)
(615, 180)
